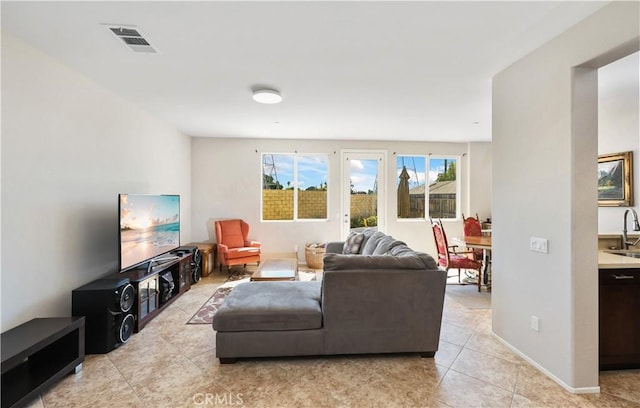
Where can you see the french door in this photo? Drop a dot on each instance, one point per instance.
(363, 190)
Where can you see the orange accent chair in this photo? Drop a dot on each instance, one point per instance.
(448, 258)
(233, 246)
(471, 227)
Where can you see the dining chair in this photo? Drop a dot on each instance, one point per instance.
(472, 227)
(449, 258)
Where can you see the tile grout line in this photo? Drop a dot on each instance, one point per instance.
(127, 381)
(515, 388)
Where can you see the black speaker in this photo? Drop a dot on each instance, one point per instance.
(196, 261)
(108, 305)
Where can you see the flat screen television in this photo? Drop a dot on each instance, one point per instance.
(149, 227)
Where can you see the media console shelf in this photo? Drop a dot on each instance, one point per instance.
(149, 282)
(38, 353)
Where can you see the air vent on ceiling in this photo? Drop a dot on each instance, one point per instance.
(132, 39)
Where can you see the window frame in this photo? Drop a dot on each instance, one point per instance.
(428, 158)
(458, 160)
(295, 183)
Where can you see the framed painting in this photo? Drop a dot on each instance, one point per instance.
(615, 180)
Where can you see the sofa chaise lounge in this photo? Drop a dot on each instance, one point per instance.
(381, 298)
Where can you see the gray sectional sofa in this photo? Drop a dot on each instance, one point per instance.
(381, 297)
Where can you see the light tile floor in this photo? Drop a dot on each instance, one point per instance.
(171, 364)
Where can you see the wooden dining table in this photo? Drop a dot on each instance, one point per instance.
(479, 242)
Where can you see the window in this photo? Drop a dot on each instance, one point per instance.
(442, 193)
(443, 187)
(411, 192)
(294, 186)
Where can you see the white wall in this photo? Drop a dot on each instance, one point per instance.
(68, 148)
(479, 169)
(618, 129)
(226, 175)
(544, 185)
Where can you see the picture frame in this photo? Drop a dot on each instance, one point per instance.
(615, 180)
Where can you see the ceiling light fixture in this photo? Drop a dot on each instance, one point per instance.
(267, 96)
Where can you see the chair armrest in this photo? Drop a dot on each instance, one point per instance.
(334, 247)
(464, 252)
(250, 243)
(222, 248)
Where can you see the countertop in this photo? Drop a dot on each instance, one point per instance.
(631, 234)
(608, 260)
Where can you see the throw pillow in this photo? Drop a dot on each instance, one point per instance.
(352, 243)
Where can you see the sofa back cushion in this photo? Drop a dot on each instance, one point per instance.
(403, 250)
(368, 233)
(427, 260)
(338, 262)
(377, 244)
(372, 243)
(385, 245)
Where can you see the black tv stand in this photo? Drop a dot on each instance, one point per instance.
(160, 261)
(38, 353)
(147, 282)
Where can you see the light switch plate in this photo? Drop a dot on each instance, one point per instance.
(535, 323)
(539, 245)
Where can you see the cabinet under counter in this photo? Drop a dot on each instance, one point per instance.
(619, 308)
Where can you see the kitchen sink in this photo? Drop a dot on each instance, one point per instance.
(626, 253)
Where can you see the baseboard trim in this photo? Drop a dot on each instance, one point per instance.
(573, 390)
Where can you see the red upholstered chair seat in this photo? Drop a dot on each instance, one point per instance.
(235, 253)
(233, 246)
(457, 261)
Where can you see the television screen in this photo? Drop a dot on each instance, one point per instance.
(149, 226)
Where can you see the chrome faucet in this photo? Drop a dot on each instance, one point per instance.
(636, 227)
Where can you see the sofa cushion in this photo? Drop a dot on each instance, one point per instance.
(367, 233)
(385, 244)
(400, 250)
(372, 243)
(403, 250)
(338, 262)
(352, 243)
(269, 306)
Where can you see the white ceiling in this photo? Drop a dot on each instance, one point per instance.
(346, 70)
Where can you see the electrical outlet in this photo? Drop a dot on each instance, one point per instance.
(539, 245)
(535, 323)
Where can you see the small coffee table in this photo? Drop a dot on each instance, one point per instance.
(276, 269)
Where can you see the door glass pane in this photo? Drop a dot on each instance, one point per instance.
(363, 205)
